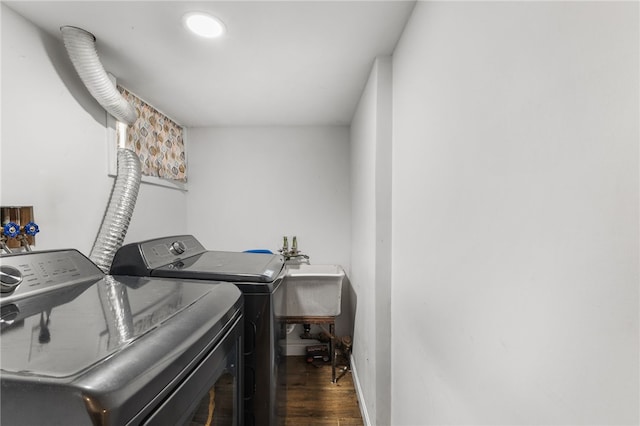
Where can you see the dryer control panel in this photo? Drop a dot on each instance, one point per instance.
(139, 259)
(25, 274)
(163, 251)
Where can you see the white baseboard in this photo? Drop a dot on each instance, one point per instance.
(356, 382)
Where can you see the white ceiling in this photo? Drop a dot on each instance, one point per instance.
(280, 63)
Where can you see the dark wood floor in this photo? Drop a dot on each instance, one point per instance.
(312, 400)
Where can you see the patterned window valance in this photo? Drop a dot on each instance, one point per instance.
(157, 140)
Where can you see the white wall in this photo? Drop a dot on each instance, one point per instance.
(250, 186)
(371, 245)
(383, 241)
(54, 152)
(515, 214)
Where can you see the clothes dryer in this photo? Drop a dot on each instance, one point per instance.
(259, 276)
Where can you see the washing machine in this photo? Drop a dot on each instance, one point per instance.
(79, 347)
(259, 276)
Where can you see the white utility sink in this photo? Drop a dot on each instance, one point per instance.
(313, 291)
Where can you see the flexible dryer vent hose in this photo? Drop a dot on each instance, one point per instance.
(119, 210)
(80, 46)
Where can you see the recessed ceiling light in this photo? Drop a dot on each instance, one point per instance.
(203, 24)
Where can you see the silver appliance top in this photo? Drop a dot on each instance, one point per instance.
(183, 256)
(74, 337)
(28, 274)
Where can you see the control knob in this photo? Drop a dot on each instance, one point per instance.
(31, 228)
(177, 247)
(11, 229)
(10, 277)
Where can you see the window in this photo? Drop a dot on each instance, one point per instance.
(157, 140)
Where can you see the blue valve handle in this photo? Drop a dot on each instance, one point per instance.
(11, 229)
(31, 228)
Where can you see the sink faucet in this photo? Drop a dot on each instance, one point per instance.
(294, 253)
(291, 256)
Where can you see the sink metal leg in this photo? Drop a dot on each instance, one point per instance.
(332, 349)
